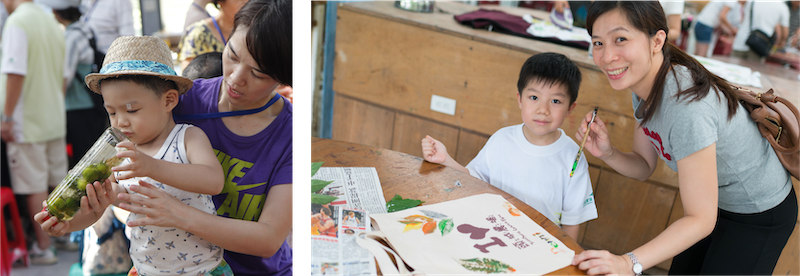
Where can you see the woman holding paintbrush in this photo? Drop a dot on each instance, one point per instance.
(739, 204)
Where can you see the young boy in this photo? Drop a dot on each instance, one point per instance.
(532, 161)
(139, 90)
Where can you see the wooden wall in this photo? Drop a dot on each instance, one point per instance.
(386, 69)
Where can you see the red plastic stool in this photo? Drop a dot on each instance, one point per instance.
(12, 250)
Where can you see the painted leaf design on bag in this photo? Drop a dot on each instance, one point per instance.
(445, 226)
(433, 214)
(486, 265)
(428, 227)
(412, 226)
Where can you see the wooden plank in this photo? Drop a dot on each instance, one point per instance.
(594, 175)
(401, 66)
(630, 213)
(469, 144)
(788, 262)
(359, 122)
(409, 131)
(442, 21)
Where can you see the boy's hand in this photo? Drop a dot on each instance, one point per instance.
(50, 224)
(140, 164)
(98, 197)
(433, 151)
(598, 143)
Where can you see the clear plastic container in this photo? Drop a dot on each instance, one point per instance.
(96, 165)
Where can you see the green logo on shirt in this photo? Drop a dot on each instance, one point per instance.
(249, 207)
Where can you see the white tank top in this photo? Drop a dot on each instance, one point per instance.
(159, 250)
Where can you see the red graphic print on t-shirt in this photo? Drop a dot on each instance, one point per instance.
(655, 137)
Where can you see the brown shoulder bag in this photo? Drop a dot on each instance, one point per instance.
(777, 120)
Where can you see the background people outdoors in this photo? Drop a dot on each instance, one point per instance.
(737, 220)
(772, 18)
(211, 34)
(109, 19)
(717, 17)
(33, 114)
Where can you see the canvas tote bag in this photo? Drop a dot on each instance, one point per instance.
(477, 234)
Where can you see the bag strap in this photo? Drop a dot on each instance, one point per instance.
(752, 4)
(757, 105)
(381, 252)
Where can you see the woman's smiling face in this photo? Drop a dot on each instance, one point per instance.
(629, 57)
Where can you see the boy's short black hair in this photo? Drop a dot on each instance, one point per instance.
(269, 37)
(156, 84)
(205, 66)
(552, 69)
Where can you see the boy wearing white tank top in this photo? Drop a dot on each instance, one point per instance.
(140, 89)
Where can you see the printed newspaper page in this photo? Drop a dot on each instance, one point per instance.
(335, 226)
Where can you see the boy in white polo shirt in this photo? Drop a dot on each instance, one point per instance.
(532, 161)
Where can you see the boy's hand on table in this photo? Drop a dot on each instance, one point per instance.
(433, 150)
(140, 164)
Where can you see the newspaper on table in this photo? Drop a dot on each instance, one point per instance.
(335, 226)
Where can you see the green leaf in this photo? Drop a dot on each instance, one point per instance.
(398, 203)
(317, 185)
(322, 199)
(486, 265)
(315, 167)
(445, 226)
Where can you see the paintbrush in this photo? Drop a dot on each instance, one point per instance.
(585, 134)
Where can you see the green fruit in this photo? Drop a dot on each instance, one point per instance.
(90, 173)
(103, 171)
(82, 184)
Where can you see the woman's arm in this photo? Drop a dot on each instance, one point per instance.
(203, 174)
(262, 238)
(697, 181)
(638, 164)
(723, 21)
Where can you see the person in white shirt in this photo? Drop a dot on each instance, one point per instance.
(674, 10)
(533, 160)
(724, 15)
(109, 19)
(772, 18)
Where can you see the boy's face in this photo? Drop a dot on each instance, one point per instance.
(137, 111)
(544, 108)
(243, 83)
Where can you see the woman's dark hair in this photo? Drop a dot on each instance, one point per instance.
(269, 37)
(551, 69)
(70, 14)
(648, 17)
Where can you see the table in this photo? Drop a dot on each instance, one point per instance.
(411, 177)
(783, 80)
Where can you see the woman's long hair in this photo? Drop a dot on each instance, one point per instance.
(648, 17)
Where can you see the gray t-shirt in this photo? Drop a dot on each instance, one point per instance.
(751, 178)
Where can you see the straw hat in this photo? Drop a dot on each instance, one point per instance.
(138, 55)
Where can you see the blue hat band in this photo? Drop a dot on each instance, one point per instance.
(138, 65)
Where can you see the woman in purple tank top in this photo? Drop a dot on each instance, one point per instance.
(250, 128)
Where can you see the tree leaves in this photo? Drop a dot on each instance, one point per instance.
(398, 203)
